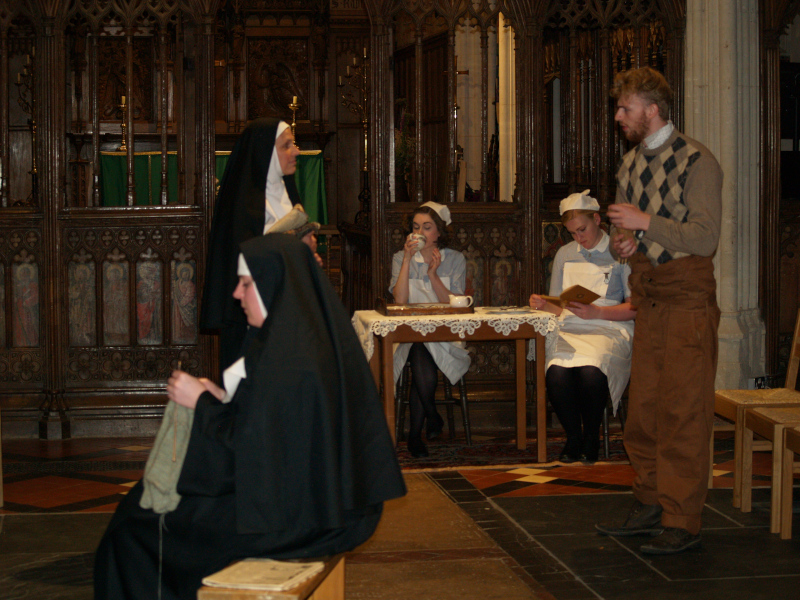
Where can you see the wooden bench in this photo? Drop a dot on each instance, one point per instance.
(326, 585)
(731, 405)
(769, 423)
(791, 447)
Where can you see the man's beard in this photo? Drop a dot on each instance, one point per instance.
(638, 131)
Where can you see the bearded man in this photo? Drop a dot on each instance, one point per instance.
(668, 208)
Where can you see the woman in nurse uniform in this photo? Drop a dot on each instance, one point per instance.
(592, 356)
(428, 274)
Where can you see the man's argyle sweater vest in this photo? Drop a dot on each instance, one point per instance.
(656, 185)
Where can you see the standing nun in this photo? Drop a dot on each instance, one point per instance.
(293, 459)
(257, 190)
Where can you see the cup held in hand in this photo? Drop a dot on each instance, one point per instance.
(460, 301)
(421, 240)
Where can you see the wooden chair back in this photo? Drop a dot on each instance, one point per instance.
(794, 357)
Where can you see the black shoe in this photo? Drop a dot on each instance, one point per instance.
(434, 428)
(672, 541)
(417, 447)
(571, 452)
(643, 519)
(591, 450)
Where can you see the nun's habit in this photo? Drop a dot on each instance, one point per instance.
(253, 195)
(297, 464)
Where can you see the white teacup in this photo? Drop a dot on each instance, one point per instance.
(460, 301)
(421, 240)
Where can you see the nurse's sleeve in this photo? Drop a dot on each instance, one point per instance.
(557, 276)
(626, 272)
(458, 276)
(397, 262)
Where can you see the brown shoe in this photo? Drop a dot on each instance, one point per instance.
(672, 541)
(643, 519)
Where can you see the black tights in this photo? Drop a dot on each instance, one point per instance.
(578, 394)
(422, 398)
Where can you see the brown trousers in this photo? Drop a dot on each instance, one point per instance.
(671, 404)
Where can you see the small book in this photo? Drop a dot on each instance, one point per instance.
(574, 293)
(264, 574)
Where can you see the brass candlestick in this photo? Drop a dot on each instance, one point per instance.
(294, 106)
(124, 125)
(27, 101)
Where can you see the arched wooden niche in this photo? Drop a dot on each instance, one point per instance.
(501, 102)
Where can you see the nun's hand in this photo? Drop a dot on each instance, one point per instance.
(184, 389)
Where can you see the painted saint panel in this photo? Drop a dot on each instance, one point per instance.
(474, 277)
(116, 304)
(82, 304)
(25, 305)
(184, 303)
(504, 285)
(149, 301)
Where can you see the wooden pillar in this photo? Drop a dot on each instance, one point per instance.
(49, 86)
(4, 91)
(769, 297)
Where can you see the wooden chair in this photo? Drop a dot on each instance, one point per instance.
(327, 585)
(770, 424)
(402, 398)
(732, 404)
(791, 447)
(621, 414)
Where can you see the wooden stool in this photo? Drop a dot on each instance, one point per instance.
(768, 423)
(791, 446)
(731, 405)
(326, 585)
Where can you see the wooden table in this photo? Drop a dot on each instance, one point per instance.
(484, 325)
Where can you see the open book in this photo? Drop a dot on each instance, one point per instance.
(264, 574)
(574, 293)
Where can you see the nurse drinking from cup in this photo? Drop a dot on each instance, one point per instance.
(426, 270)
(592, 356)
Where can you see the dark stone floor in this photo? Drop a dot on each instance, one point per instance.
(554, 540)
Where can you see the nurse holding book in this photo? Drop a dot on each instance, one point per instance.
(592, 356)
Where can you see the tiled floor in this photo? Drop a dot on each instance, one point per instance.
(482, 533)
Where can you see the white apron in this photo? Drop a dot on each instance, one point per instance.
(606, 345)
(451, 357)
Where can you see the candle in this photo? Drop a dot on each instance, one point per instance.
(348, 70)
(123, 101)
(365, 52)
(27, 59)
(340, 79)
(355, 64)
(294, 99)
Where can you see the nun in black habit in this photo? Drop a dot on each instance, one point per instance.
(296, 464)
(256, 191)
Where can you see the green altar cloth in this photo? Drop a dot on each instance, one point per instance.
(309, 177)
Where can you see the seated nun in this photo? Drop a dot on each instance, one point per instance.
(292, 459)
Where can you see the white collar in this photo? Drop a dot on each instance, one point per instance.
(654, 140)
(231, 378)
(601, 246)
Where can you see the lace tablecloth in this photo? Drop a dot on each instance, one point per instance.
(369, 322)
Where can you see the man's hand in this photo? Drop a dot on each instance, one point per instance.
(628, 216)
(624, 245)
